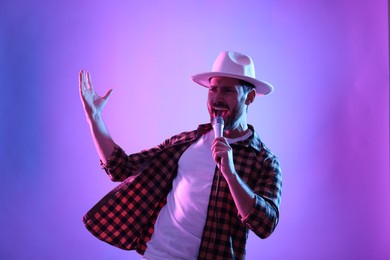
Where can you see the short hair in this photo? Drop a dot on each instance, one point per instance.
(246, 86)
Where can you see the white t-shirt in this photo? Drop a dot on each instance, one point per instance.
(179, 226)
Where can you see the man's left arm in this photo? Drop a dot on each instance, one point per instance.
(258, 209)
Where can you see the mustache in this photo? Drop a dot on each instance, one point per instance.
(220, 104)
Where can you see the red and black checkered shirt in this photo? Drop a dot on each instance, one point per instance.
(125, 216)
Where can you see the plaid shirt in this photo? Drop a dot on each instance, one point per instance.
(125, 216)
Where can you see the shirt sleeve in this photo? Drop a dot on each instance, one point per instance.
(120, 166)
(264, 216)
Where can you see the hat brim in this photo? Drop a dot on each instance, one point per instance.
(262, 87)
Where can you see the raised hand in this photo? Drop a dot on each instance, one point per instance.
(93, 106)
(92, 102)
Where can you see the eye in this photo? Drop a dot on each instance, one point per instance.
(227, 90)
(212, 89)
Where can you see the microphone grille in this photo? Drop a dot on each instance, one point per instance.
(218, 120)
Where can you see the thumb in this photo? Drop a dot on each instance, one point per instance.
(108, 94)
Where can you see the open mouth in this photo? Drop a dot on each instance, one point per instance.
(220, 111)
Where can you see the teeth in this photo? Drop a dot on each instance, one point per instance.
(220, 108)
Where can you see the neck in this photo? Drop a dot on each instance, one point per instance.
(235, 132)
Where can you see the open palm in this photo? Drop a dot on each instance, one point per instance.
(92, 102)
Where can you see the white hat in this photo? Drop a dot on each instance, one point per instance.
(234, 65)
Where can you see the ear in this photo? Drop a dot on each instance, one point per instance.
(250, 97)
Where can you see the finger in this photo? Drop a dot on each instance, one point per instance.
(218, 150)
(89, 81)
(221, 140)
(81, 81)
(218, 157)
(108, 94)
(84, 81)
(220, 143)
(82, 84)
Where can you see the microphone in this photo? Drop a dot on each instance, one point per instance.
(218, 125)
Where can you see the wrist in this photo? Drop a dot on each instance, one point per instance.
(94, 117)
(231, 176)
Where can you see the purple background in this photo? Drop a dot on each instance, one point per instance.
(327, 121)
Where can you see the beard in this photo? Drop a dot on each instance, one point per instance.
(231, 118)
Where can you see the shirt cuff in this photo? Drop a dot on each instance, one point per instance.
(110, 163)
(104, 165)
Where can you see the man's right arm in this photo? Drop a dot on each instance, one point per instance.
(101, 138)
(93, 105)
(114, 160)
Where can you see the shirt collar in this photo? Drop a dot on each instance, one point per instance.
(254, 140)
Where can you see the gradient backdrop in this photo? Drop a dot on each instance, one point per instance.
(327, 121)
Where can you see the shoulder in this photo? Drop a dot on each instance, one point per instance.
(188, 136)
(182, 137)
(267, 157)
(267, 153)
(269, 160)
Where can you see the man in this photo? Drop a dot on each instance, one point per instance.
(194, 196)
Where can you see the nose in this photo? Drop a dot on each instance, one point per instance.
(215, 98)
(217, 93)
